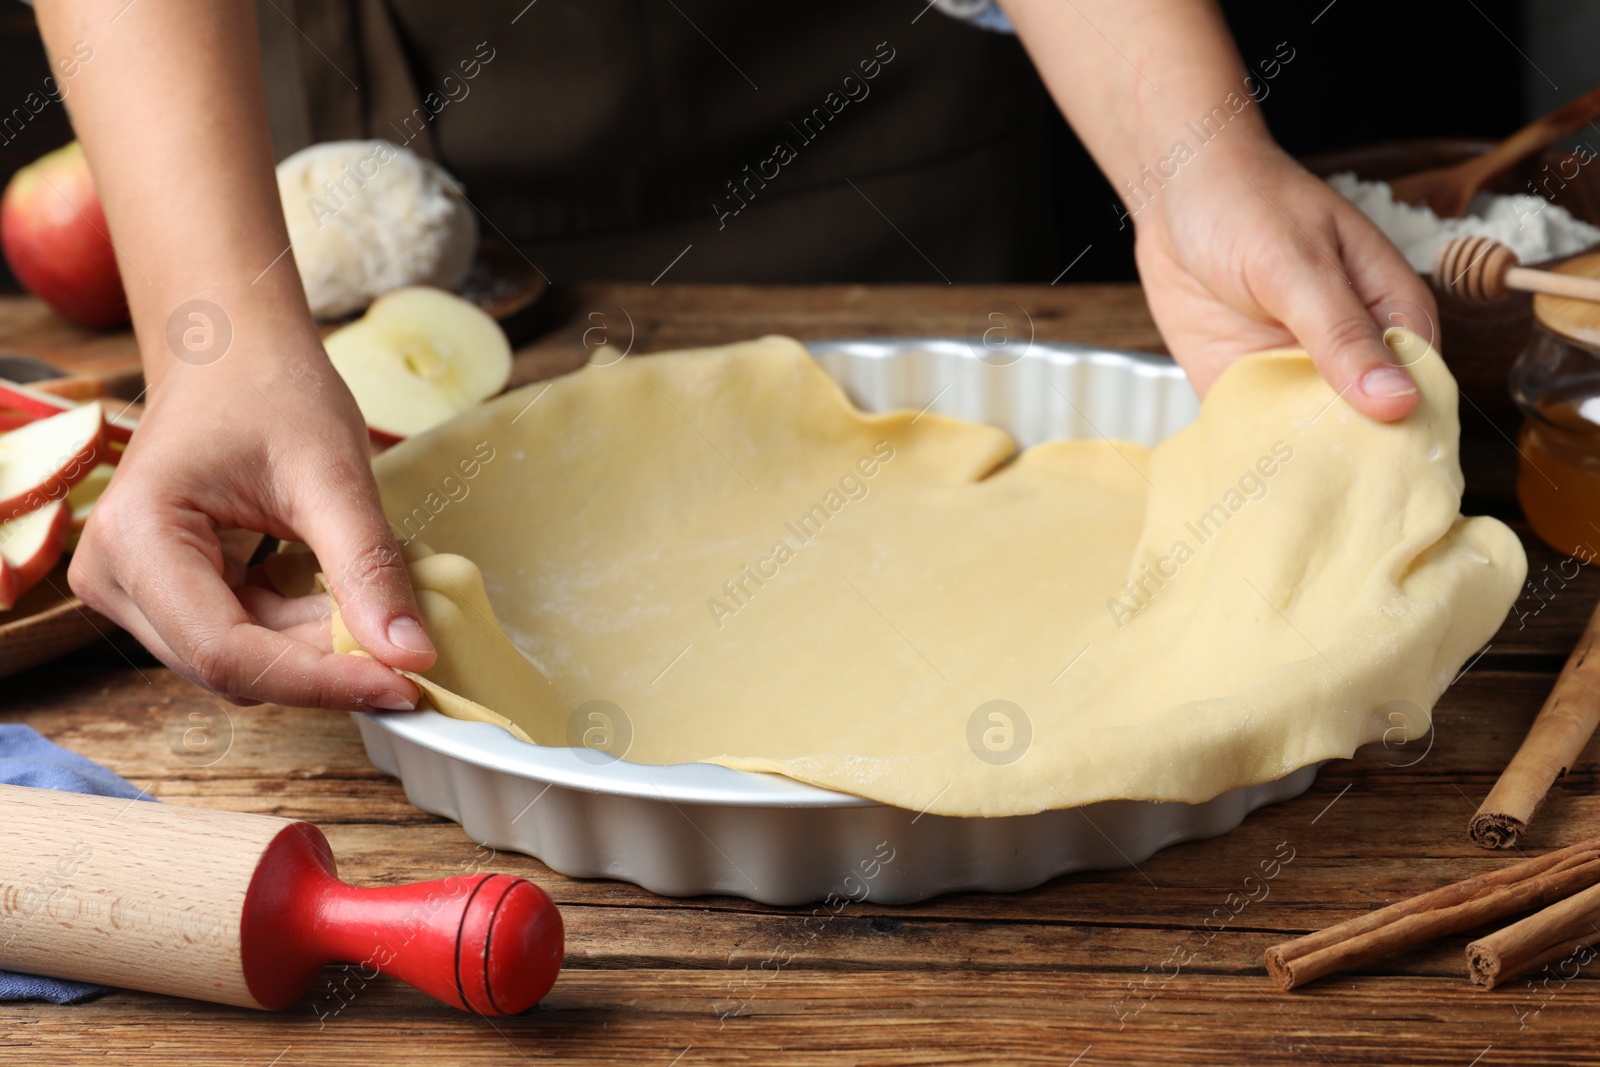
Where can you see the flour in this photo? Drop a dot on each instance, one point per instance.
(1530, 226)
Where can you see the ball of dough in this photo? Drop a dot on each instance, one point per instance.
(366, 217)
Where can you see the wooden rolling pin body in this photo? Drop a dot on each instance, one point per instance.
(245, 909)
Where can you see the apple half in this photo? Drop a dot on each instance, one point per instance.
(29, 546)
(419, 357)
(42, 461)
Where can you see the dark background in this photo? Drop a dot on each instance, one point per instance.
(1363, 71)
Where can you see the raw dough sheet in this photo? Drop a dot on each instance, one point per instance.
(713, 556)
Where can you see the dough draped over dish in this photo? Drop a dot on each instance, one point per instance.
(752, 572)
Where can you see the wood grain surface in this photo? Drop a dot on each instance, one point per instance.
(1155, 965)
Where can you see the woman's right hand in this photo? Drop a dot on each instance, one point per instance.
(264, 438)
(262, 442)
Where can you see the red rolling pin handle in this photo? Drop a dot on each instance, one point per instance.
(488, 943)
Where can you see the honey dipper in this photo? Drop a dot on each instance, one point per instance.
(1482, 269)
(245, 909)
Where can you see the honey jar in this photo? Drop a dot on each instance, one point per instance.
(1556, 383)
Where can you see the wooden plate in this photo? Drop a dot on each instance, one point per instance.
(46, 623)
(503, 281)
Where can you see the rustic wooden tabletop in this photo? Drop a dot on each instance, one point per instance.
(1158, 964)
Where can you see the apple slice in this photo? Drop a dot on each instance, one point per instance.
(29, 547)
(21, 397)
(82, 497)
(419, 357)
(11, 419)
(42, 461)
(381, 439)
(26, 400)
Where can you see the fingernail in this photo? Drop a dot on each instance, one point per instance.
(1385, 382)
(407, 633)
(392, 702)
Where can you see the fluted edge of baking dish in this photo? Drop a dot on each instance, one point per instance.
(697, 829)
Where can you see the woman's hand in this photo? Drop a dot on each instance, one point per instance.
(1244, 250)
(264, 442)
(263, 438)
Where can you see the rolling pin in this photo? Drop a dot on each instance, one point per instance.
(246, 909)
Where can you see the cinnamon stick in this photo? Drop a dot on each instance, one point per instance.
(1544, 937)
(1559, 733)
(1450, 909)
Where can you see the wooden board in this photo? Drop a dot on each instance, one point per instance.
(47, 622)
(1082, 967)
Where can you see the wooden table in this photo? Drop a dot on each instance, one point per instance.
(1078, 971)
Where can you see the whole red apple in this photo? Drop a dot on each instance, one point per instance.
(53, 231)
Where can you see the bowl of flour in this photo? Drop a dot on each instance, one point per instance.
(1536, 229)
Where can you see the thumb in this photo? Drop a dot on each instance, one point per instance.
(368, 577)
(1346, 344)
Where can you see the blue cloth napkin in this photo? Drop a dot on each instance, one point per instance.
(28, 759)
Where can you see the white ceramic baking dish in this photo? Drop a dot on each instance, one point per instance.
(697, 828)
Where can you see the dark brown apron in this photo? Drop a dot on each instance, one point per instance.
(710, 140)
